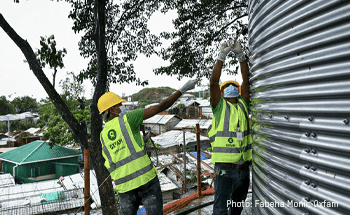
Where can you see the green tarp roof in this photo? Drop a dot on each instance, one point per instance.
(37, 151)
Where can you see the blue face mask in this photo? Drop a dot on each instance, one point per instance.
(123, 110)
(231, 92)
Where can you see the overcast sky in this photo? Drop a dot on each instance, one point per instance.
(32, 19)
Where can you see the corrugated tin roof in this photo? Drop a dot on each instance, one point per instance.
(187, 95)
(17, 199)
(6, 180)
(206, 111)
(173, 138)
(17, 195)
(191, 102)
(32, 130)
(165, 183)
(4, 141)
(12, 117)
(187, 103)
(174, 105)
(37, 151)
(77, 181)
(189, 123)
(159, 119)
(203, 102)
(131, 103)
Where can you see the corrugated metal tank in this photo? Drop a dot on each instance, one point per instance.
(299, 53)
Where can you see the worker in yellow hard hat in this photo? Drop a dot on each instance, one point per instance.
(230, 134)
(131, 169)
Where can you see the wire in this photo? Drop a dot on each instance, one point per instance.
(92, 194)
(155, 150)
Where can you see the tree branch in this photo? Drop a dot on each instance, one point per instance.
(224, 27)
(123, 16)
(40, 75)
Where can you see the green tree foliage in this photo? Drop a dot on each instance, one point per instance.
(21, 125)
(58, 131)
(49, 55)
(180, 106)
(201, 27)
(3, 127)
(25, 104)
(72, 86)
(127, 36)
(6, 107)
(18, 105)
(196, 94)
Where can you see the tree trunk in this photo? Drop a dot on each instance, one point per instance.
(54, 76)
(108, 200)
(97, 161)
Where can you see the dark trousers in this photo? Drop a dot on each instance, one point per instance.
(149, 195)
(230, 185)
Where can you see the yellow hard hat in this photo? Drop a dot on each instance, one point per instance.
(108, 100)
(232, 82)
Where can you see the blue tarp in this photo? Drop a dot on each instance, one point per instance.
(81, 156)
(141, 211)
(202, 155)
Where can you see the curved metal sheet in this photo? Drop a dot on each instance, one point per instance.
(299, 53)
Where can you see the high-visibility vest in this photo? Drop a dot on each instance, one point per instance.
(223, 137)
(126, 161)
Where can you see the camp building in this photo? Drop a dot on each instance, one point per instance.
(37, 161)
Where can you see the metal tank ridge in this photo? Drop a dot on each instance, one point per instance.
(299, 54)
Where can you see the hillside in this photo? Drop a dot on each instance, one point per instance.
(152, 95)
(156, 95)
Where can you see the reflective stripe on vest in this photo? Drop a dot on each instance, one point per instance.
(134, 155)
(134, 175)
(226, 132)
(231, 150)
(212, 138)
(227, 148)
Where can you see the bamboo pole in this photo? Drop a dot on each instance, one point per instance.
(87, 181)
(184, 149)
(198, 161)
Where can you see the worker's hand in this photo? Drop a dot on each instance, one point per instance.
(237, 49)
(224, 50)
(188, 86)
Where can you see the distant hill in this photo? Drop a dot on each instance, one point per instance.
(152, 95)
(155, 95)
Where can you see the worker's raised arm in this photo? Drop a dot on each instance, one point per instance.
(237, 49)
(166, 103)
(215, 76)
